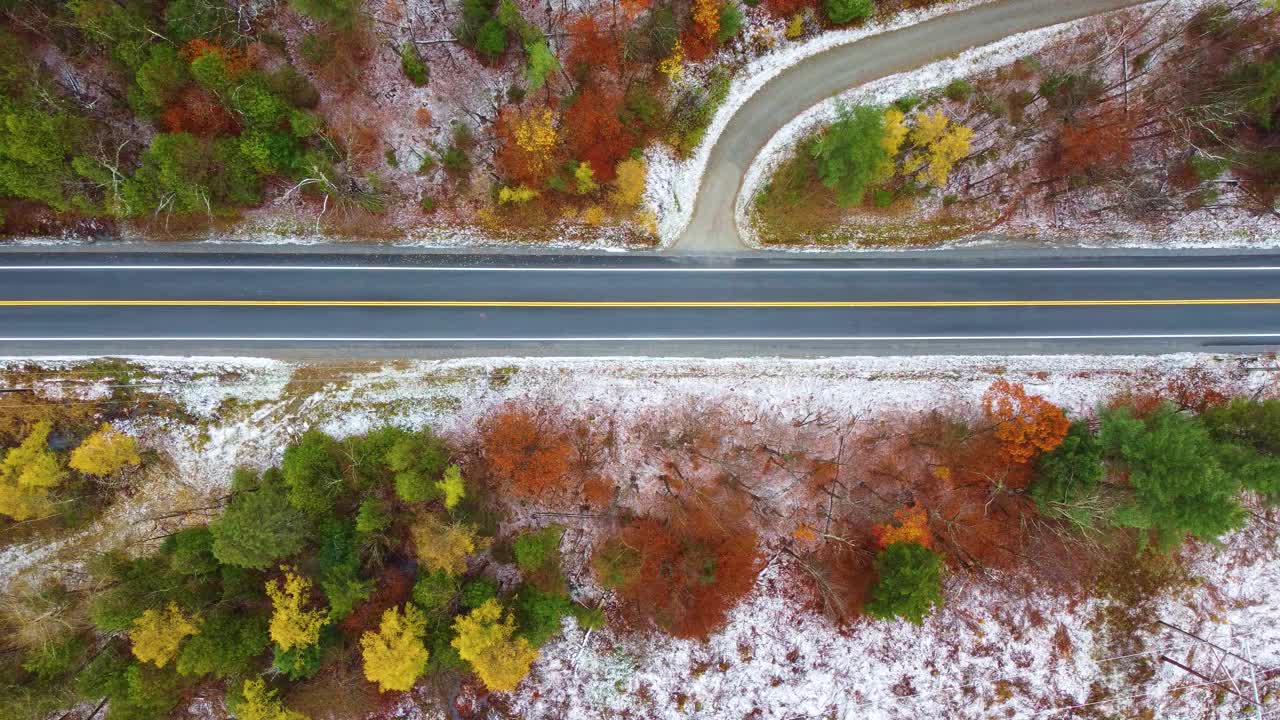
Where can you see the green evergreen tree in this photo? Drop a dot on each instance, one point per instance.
(910, 583)
(260, 526)
(850, 153)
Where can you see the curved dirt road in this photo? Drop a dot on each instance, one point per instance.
(713, 229)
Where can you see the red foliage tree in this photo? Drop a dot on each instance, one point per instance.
(1026, 425)
(592, 48)
(787, 8)
(684, 575)
(633, 8)
(1096, 144)
(528, 453)
(198, 113)
(595, 134)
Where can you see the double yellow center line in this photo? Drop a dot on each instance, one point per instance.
(639, 304)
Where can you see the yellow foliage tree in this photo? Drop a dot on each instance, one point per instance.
(895, 131)
(585, 178)
(443, 545)
(673, 65)
(536, 132)
(628, 186)
(706, 15)
(519, 195)
(292, 625)
(941, 143)
(262, 704)
(395, 656)
(487, 641)
(593, 215)
(27, 474)
(106, 452)
(452, 487)
(156, 634)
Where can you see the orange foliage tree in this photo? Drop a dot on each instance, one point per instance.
(912, 526)
(595, 134)
(199, 113)
(684, 575)
(1098, 143)
(1026, 425)
(527, 452)
(592, 48)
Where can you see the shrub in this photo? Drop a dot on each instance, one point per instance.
(958, 90)
(294, 87)
(186, 20)
(910, 583)
(318, 49)
(340, 13)
(843, 11)
(412, 65)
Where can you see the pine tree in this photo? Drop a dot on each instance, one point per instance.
(910, 584)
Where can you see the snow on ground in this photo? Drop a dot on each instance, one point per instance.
(995, 651)
(673, 183)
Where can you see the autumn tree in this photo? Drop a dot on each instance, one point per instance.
(684, 575)
(487, 641)
(443, 545)
(28, 473)
(527, 142)
(157, 634)
(912, 525)
(594, 133)
(1092, 145)
(939, 143)
(910, 583)
(1025, 424)
(293, 625)
(526, 451)
(105, 452)
(395, 656)
(261, 703)
(629, 184)
(591, 49)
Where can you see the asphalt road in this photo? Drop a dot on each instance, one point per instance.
(805, 84)
(289, 305)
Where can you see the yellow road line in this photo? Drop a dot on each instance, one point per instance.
(639, 304)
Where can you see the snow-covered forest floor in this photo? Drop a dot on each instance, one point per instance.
(1005, 645)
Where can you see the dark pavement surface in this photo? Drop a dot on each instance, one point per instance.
(710, 331)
